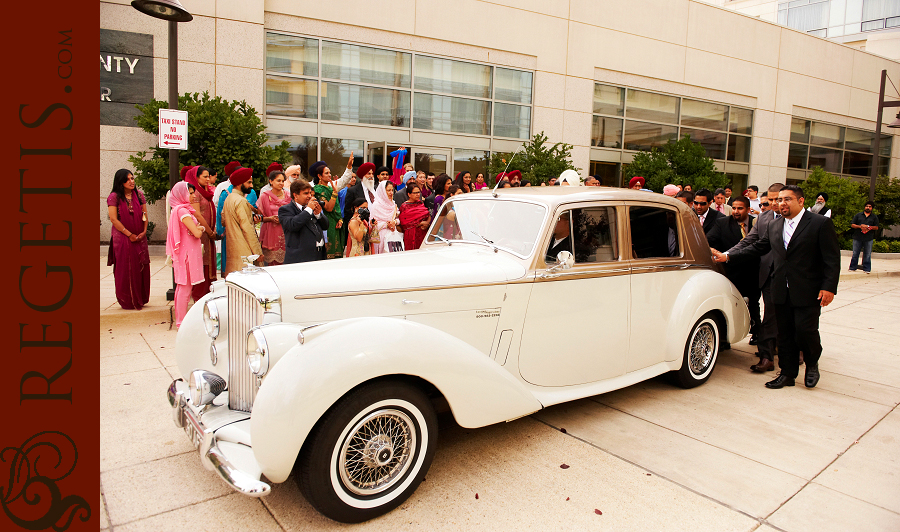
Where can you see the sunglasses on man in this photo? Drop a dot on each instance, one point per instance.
(700, 203)
(764, 204)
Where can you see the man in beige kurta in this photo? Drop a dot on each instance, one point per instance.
(237, 219)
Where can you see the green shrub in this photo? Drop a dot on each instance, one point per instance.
(895, 246)
(880, 246)
(846, 242)
(845, 196)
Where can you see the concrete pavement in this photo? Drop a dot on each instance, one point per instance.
(728, 455)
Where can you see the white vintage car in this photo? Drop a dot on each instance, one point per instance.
(519, 299)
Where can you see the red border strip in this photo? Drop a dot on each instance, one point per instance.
(49, 390)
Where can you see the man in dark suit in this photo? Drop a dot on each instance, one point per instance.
(708, 217)
(725, 234)
(806, 268)
(561, 240)
(768, 331)
(304, 225)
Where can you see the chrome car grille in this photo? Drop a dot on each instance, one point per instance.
(244, 312)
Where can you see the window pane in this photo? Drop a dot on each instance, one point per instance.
(609, 100)
(302, 150)
(829, 160)
(712, 141)
(738, 148)
(884, 166)
(859, 140)
(335, 153)
(827, 135)
(857, 164)
(435, 163)
(512, 85)
(809, 17)
(797, 156)
(799, 130)
(654, 232)
(365, 105)
(741, 120)
(474, 161)
(607, 173)
(595, 230)
(651, 106)
(292, 55)
(351, 62)
(703, 114)
(643, 136)
(452, 77)
(512, 121)
(291, 97)
(606, 132)
(884, 147)
(459, 115)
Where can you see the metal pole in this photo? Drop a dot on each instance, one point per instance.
(876, 144)
(173, 104)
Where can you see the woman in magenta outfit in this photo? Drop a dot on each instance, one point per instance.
(271, 234)
(128, 253)
(183, 246)
(414, 218)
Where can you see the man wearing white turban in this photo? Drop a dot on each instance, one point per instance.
(569, 178)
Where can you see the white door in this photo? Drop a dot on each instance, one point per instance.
(576, 324)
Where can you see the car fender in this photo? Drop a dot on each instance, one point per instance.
(707, 291)
(336, 357)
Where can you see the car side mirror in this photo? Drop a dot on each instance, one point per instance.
(564, 261)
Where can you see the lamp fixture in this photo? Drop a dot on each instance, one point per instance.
(170, 10)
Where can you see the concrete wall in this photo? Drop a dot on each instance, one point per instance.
(683, 47)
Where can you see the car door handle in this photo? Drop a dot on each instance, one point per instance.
(409, 302)
(547, 275)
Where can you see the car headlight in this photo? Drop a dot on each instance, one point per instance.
(211, 319)
(257, 353)
(204, 387)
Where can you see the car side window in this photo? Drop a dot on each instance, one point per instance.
(654, 232)
(594, 234)
(560, 238)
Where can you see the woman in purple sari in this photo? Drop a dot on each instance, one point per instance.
(128, 253)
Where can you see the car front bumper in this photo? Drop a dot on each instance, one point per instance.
(222, 438)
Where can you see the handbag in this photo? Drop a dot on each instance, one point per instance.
(393, 242)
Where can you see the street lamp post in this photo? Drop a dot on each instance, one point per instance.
(876, 143)
(173, 12)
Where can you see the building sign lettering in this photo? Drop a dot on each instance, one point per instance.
(126, 75)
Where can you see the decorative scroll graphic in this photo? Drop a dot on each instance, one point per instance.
(31, 498)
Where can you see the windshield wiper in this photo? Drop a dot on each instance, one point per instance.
(440, 237)
(481, 237)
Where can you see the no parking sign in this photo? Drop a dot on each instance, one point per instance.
(173, 129)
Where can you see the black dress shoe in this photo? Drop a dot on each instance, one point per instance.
(753, 340)
(780, 382)
(724, 346)
(812, 376)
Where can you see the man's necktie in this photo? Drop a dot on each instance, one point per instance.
(788, 232)
(743, 230)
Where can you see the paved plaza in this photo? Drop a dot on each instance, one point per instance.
(728, 455)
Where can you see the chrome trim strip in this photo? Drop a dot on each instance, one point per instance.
(234, 477)
(589, 274)
(396, 290)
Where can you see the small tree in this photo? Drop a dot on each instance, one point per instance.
(218, 132)
(845, 196)
(681, 162)
(887, 202)
(537, 161)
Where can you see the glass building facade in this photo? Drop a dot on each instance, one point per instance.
(838, 150)
(322, 80)
(836, 18)
(626, 119)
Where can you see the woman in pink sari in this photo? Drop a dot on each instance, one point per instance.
(183, 247)
(271, 234)
(414, 218)
(383, 213)
(128, 252)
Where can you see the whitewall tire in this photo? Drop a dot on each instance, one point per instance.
(701, 350)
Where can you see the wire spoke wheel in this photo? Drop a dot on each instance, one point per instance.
(376, 454)
(703, 346)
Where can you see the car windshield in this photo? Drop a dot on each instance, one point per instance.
(509, 225)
